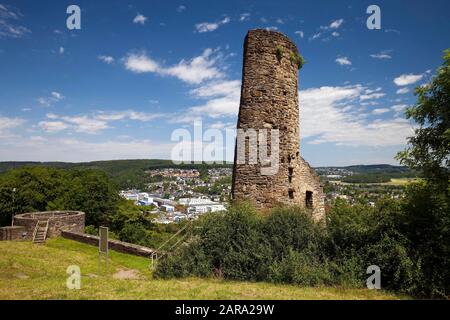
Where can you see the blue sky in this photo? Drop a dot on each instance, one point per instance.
(138, 70)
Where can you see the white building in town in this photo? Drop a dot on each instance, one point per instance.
(199, 205)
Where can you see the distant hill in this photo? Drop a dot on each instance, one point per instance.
(108, 165)
(375, 173)
(130, 173)
(371, 168)
(125, 173)
(148, 164)
(376, 168)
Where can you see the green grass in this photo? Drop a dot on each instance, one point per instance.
(30, 271)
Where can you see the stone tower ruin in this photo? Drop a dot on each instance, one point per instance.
(269, 100)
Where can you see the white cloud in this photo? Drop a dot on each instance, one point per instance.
(93, 123)
(369, 91)
(381, 56)
(181, 8)
(220, 125)
(127, 114)
(407, 79)
(84, 124)
(7, 123)
(53, 98)
(300, 33)
(343, 61)
(323, 120)
(211, 26)
(185, 118)
(380, 111)
(193, 71)
(76, 150)
(328, 32)
(206, 27)
(336, 24)
(37, 139)
(371, 96)
(223, 99)
(399, 107)
(53, 126)
(141, 63)
(392, 30)
(57, 96)
(141, 19)
(244, 17)
(369, 103)
(61, 50)
(9, 18)
(402, 90)
(106, 59)
(196, 70)
(316, 35)
(51, 116)
(8, 13)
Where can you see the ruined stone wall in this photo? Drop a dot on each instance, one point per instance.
(310, 182)
(57, 221)
(116, 245)
(12, 233)
(269, 100)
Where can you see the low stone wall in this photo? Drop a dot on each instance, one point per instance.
(13, 233)
(57, 221)
(113, 244)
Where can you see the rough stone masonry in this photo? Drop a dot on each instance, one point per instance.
(269, 100)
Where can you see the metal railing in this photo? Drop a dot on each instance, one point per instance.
(36, 228)
(167, 248)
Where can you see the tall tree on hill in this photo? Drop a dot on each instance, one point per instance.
(429, 149)
(426, 207)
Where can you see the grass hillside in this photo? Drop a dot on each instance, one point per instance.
(30, 271)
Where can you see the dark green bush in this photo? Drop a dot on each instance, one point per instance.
(134, 233)
(92, 230)
(242, 245)
(301, 267)
(408, 239)
(234, 243)
(194, 262)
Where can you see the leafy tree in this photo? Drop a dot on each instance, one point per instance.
(127, 212)
(29, 189)
(134, 232)
(427, 204)
(429, 148)
(93, 193)
(41, 189)
(426, 223)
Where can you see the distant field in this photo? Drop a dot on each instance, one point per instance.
(402, 181)
(393, 182)
(30, 271)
